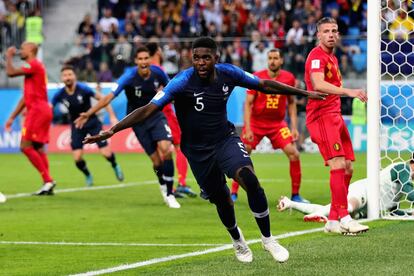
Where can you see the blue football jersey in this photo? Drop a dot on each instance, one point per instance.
(201, 106)
(78, 102)
(139, 91)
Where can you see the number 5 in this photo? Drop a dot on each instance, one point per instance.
(199, 104)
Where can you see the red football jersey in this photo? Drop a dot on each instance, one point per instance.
(35, 91)
(320, 61)
(268, 110)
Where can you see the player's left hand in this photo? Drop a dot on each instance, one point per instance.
(11, 51)
(295, 134)
(81, 120)
(96, 138)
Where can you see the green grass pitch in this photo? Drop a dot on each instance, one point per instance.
(137, 223)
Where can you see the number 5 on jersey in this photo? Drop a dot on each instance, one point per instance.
(199, 105)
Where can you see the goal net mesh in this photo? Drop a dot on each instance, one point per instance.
(397, 102)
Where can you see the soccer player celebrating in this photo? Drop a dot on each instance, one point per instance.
(181, 161)
(209, 140)
(77, 99)
(35, 131)
(326, 125)
(264, 115)
(395, 184)
(141, 83)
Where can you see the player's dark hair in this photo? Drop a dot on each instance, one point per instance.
(205, 42)
(152, 48)
(276, 50)
(67, 67)
(325, 20)
(141, 49)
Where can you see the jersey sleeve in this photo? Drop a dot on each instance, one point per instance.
(123, 81)
(57, 97)
(174, 87)
(87, 90)
(242, 78)
(29, 68)
(317, 63)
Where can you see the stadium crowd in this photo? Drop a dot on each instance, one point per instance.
(245, 29)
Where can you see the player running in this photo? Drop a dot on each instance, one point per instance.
(326, 126)
(209, 140)
(141, 83)
(180, 162)
(35, 131)
(395, 184)
(77, 99)
(264, 115)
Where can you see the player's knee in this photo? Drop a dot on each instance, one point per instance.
(349, 169)
(248, 180)
(337, 163)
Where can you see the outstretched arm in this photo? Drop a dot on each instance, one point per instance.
(19, 108)
(108, 108)
(275, 87)
(137, 116)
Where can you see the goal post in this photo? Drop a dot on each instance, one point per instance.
(390, 122)
(373, 107)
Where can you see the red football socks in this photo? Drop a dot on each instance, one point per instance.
(295, 176)
(38, 162)
(182, 167)
(339, 202)
(234, 187)
(347, 179)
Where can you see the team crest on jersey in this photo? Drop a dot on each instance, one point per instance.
(337, 146)
(26, 65)
(156, 83)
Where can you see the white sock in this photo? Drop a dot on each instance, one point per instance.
(346, 219)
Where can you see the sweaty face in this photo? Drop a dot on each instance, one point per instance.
(204, 60)
(68, 77)
(143, 61)
(328, 34)
(274, 61)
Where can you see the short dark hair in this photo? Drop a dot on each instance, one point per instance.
(141, 49)
(325, 20)
(276, 50)
(67, 67)
(152, 48)
(205, 42)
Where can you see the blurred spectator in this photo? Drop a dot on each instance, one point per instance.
(5, 33)
(402, 26)
(309, 32)
(170, 63)
(86, 27)
(121, 54)
(88, 74)
(295, 45)
(2, 8)
(277, 35)
(107, 20)
(16, 21)
(185, 60)
(130, 31)
(342, 26)
(34, 31)
(104, 74)
(259, 56)
(76, 54)
(102, 52)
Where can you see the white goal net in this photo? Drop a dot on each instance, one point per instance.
(396, 103)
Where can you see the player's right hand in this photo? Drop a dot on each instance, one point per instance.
(248, 135)
(96, 138)
(11, 51)
(358, 93)
(8, 124)
(81, 120)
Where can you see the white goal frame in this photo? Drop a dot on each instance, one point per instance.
(373, 107)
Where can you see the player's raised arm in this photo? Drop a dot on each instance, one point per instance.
(27, 69)
(112, 117)
(136, 116)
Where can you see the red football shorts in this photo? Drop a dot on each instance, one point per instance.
(37, 124)
(331, 135)
(278, 135)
